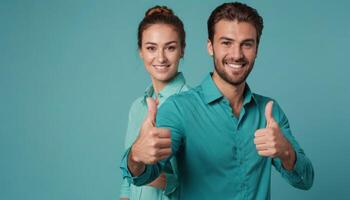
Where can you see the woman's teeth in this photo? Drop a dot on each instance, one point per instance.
(160, 66)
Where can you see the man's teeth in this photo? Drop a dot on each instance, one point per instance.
(236, 66)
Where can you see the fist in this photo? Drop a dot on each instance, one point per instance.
(270, 141)
(153, 144)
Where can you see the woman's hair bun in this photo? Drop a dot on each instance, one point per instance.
(159, 10)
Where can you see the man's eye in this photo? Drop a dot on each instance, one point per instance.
(226, 43)
(247, 45)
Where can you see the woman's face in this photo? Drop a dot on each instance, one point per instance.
(161, 52)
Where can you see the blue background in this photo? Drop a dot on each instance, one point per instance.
(69, 71)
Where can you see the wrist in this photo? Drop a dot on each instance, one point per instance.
(288, 158)
(133, 157)
(135, 166)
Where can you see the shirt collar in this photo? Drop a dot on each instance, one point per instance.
(211, 91)
(173, 87)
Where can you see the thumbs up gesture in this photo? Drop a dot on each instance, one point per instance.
(153, 144)
(270, 142)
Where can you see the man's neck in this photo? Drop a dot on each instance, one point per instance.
(234, 93)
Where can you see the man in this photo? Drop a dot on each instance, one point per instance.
(225, 137)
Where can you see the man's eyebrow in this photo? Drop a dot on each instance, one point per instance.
(249, 40)
(226, 38)
(230, 39)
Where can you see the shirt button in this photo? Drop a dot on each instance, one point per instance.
(234, 150)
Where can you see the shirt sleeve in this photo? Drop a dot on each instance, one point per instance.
(167, 117)
(125, 189)
(302, 175)
(125, 185)
(171, 177)
(130, 135)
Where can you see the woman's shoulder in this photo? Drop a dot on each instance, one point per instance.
(137, 104)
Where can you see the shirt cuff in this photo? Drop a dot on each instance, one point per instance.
(136, 180)
(294, 175)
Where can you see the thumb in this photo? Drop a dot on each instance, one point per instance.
(270, 121)
(152, 110)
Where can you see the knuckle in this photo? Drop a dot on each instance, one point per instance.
(273, 151)
(153, 144)
(153, 160)
(153, 132)
(170, 151)
(153, 152)
(273, 137)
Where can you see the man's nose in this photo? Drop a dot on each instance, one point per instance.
(236, 52)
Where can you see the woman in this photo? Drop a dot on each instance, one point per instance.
(161, 43)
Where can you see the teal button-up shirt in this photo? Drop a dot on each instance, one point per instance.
(217, 157)
(137, 113)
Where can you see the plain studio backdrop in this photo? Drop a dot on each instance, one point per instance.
(69, 71)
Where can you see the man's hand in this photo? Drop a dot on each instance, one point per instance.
(153, 144)
(270, 141)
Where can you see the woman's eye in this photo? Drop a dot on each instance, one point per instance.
(151, 48)
(171, 48)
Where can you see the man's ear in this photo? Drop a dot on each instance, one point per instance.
(210, 47)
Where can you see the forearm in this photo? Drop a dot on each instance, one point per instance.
(288, 158)
(159, 182)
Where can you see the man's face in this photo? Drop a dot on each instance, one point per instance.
(234, 49)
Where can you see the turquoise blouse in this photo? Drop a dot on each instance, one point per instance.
(138, 112)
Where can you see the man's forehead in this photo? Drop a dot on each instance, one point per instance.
(234, 28)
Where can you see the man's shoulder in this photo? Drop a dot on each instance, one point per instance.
(261, 99)
(184, 101)
(189, 95)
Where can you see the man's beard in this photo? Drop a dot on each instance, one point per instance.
(229, 79)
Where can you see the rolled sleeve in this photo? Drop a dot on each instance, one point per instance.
(301, 176)
(151, 172)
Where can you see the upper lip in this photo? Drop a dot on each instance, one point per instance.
(235, 62)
